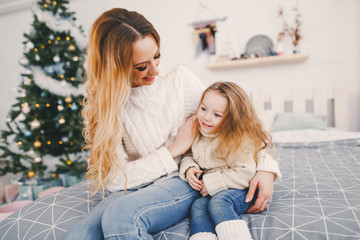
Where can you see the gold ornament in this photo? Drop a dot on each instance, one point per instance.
(37, 144)
(68, 162)
(68, 99)
(71, 47)
(31, 174)
(53, 175)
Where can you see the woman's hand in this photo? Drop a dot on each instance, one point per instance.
(264, 181)
(191, 178)
(184, 138)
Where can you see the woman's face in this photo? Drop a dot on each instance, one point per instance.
(211, 111)
(146, 59)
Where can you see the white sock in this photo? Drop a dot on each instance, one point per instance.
(204, 236)
(233, 230)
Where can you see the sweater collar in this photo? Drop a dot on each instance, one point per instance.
(213, 135)
(135, 91)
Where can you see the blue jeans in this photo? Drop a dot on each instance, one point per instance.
(207, 212)
(137, 214)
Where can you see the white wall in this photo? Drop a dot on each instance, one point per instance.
(330, 30)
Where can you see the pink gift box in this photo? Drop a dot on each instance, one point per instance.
(7, 209)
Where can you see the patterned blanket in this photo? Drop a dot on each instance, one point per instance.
(318, 198)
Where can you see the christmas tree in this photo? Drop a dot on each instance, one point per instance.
(45, 123)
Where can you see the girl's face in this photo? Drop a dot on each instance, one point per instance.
(211, 111)
(146, 59)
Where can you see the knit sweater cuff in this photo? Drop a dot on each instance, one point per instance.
(167, 160)
(185, 164)
(213, 183)
(268, 164)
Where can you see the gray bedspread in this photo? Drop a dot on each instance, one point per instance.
(318, 198)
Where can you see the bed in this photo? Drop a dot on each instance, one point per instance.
(317, 198)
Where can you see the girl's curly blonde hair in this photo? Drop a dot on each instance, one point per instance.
(239, 121)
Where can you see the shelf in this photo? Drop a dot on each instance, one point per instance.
(254, 62)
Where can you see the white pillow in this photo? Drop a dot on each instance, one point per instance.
(267, 118)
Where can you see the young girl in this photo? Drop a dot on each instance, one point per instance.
(222, 162)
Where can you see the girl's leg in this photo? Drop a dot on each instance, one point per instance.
(200, 218)
(89, 227)
(224, 209)
(228, 204)
(156, 207)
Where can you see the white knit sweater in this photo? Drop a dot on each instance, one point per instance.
(219, 174)
(151, 120)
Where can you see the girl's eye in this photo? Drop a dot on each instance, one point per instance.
(203, 109)
(217, 115)
(157, 56)
(141, 68)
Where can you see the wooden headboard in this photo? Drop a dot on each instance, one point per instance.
(330, 102)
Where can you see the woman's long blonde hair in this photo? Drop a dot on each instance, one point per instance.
(109, 71)
(239, 121)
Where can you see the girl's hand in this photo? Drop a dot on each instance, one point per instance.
(191, 178)
(203, 190)
(184, 138)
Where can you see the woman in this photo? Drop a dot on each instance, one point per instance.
(133, 116)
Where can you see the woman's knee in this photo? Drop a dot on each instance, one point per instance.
(117, 212)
